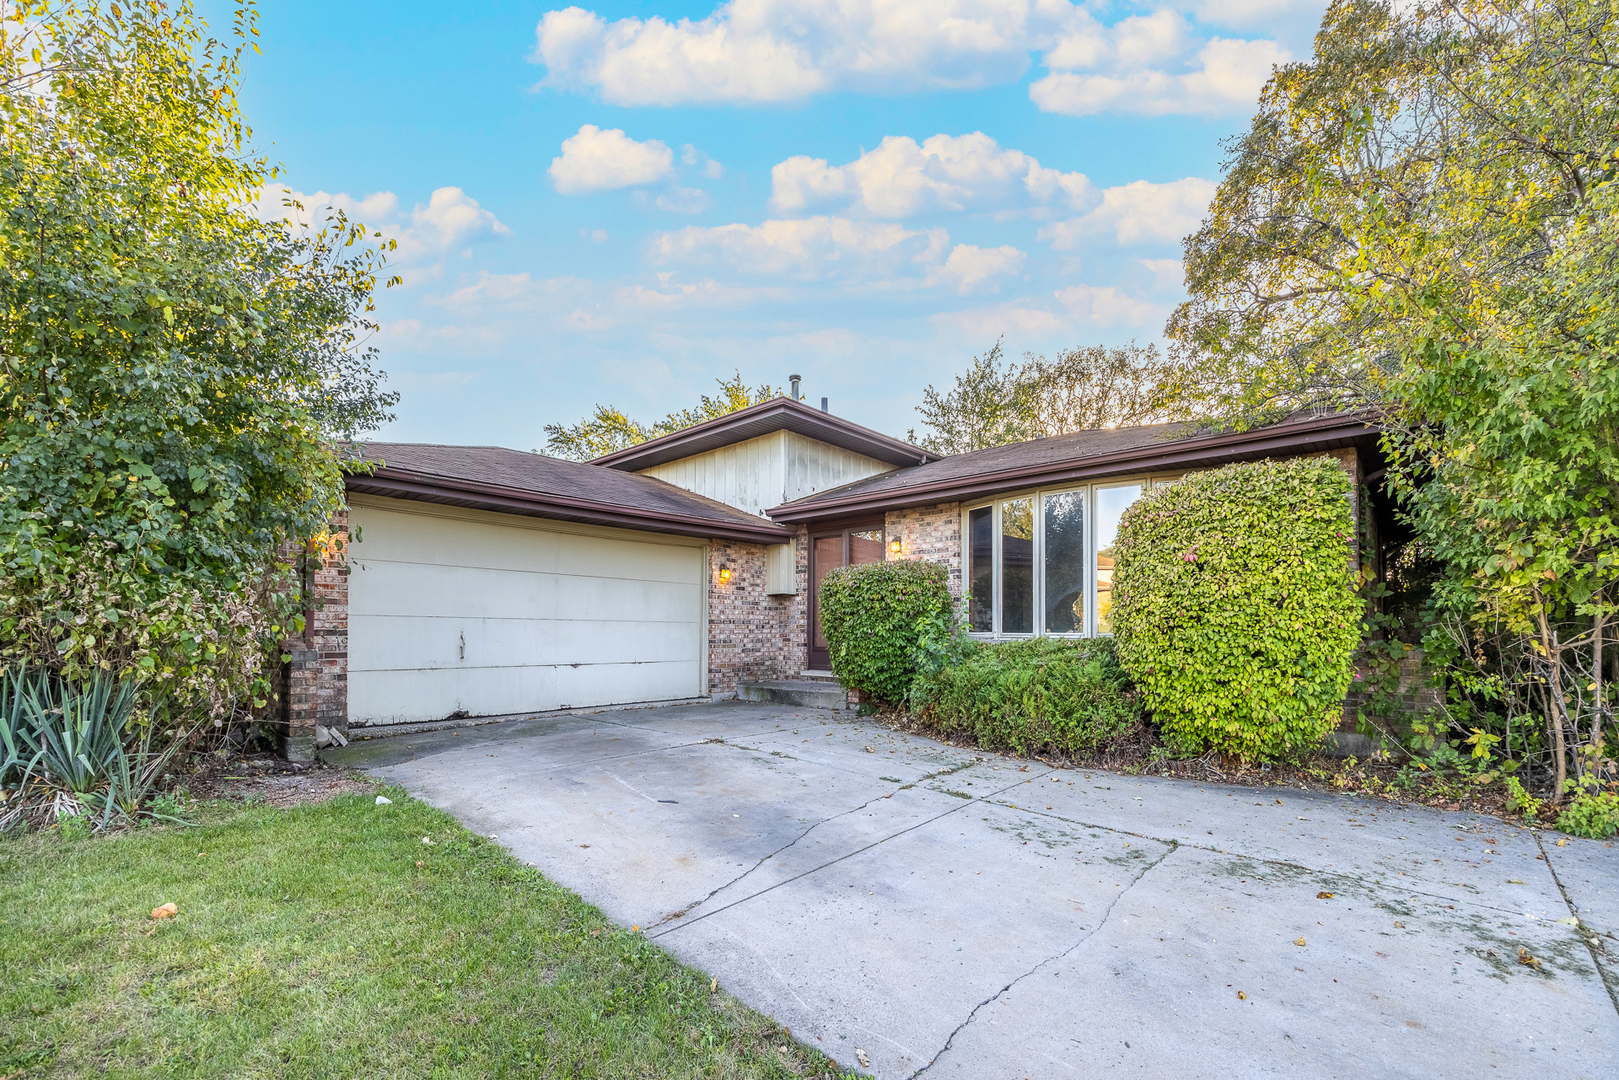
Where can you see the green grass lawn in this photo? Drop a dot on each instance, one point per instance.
(310, 943)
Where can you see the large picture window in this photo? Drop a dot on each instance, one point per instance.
(1043, 563)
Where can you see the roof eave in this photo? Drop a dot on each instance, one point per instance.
(711, 435)
(393, 482)
(1299, 437)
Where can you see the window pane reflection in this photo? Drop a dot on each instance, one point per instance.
(981, 572)
(1065, 563)
(1111, 504)
(1017, 566)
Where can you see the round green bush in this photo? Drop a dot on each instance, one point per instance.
(1235, 607)
(871, 614)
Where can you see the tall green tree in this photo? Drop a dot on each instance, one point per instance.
(1421, 221)
(998, 401)
(607, 430)
(178, 379)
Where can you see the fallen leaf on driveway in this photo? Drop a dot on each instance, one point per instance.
(869, 749)
(1563, 842)
(1513, 881)
(860, 1056)
(1241, 996)
(1299, 943)
(1526, 959)
(1399, 925)
(1325, 895)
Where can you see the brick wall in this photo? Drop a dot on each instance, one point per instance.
(932, 533)
(1349, 459)
(751, 635)
(315, 678)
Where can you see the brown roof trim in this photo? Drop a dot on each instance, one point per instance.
(1297, 437)
(755, 421)
(397, 483)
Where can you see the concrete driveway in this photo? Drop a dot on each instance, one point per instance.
(958, 914)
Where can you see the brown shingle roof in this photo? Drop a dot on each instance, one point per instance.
(1080, 455)
(534, 485)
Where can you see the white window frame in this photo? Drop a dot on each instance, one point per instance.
(1088, 491)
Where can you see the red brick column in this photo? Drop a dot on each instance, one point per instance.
(316, 672)
(751, 634)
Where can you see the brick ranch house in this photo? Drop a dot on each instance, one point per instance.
(481, 581)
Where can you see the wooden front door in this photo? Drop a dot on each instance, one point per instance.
(850, 545)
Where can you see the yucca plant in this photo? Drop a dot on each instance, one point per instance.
(69, 749)
(81, 737)
(19, 742)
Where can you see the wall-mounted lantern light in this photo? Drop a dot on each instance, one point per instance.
(725, 574)
(894, 546)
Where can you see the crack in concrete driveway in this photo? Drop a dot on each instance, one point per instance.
(882, 890)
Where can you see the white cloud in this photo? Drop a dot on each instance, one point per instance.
(581, 320)
(707, 293)
(683, 200)
(747, 51)
(1103, 306)
(1228, 76)
(693, 156)
(969, 268)
(597, 160)
(808, 248)
(1138, 212)
(1018, 319)
(451, 219)
(1167, 274)
(654, 62)
(1258, 12)
(945, 172)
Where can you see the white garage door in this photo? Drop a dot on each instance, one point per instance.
(466, 611)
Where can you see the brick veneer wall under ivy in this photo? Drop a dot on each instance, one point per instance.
(929, 532)
(314, 681)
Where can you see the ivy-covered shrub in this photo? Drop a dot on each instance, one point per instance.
(1235, 606)
(1040, 695)
(871, 616)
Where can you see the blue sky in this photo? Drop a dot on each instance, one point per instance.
(619, 202)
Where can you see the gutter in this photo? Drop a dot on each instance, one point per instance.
(400, 483)
(1190, 452)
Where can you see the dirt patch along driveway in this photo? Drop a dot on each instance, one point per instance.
(958, 914)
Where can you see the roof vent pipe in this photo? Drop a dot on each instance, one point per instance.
(823, 406)
(795, 379)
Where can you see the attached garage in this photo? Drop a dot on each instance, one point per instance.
(481, 581)
(461, 611)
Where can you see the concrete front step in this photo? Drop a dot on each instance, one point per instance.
(817, 694)
(818, 677)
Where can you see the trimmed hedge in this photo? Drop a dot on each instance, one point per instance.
(872, 617)
(1038, 695)
(1235, 607)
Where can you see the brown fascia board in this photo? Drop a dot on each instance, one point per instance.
(403, 484)
(759, 420)
(1285, 438)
